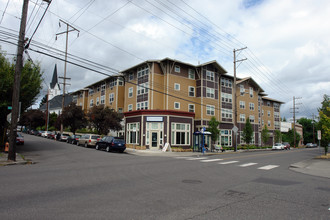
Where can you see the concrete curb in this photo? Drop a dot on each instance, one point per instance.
(314, 167)
(19, 160)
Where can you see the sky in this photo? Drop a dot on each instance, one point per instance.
(287, 41)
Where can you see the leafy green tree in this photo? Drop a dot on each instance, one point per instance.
(307, 129)
(33, 118)
(52, 119)
(289, 137)
(265, 135)
(324, 123)
(73, 117)
(104, 119)
(247, 133)
(29, 87)
(213, 128)
(43, 101)
(277, 136)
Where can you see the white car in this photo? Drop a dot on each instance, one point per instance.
(278, 146)
(44, 134)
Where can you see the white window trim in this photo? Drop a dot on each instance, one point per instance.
(210, 110)
(130, 107)
(189, 107)
(177, 69)
(191, 87)
(176, 86)
(175, 104)
(130, 92)
(191, 74)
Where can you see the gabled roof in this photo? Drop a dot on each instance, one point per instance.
(56, 102)
(273, 100)
(54, 79)
(239, 81)
(214, 63)
(102, 80)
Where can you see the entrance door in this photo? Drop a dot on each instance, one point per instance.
(154, 139)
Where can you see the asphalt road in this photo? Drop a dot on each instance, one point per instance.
(71, 182)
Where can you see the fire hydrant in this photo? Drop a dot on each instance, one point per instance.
(7, 147)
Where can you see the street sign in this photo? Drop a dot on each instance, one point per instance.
(318, 134)
(235, 129)
(10, 108)
(9, 117)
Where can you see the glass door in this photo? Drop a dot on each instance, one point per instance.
(154, 139)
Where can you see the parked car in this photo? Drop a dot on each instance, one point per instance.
(286, 145)
(64, 137)
(88, 140)
(310, 145)
(278, 146)
(45, 134)
(19, 139)
(110, 143)
(73, 139)
(51, 135)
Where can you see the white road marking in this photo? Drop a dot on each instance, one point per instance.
(268, 167)
(196, 158)
(181, 157)
(248, 164)
(229, 162)
(210, 160)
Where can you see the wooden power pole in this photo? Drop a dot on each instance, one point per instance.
(16, 85)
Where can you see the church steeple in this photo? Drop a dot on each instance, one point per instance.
(54, 89)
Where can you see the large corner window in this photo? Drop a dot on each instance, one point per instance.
(210, 110)
(210, 93)
(191, 74)
(225, 138)
(180, 134)
(142, 71)
(132, 136)
(210, 75)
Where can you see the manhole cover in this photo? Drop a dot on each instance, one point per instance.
(192, 181)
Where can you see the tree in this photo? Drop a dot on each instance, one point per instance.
(284, 119)
(52, 119)
(324, 123)
(104, 119)
(29, 88)
(307, 129)
(278, 136)
(33, 118)
(213, 128)
(289, 137)
(43, 101)
(247, 133)
(265, 135)
(73, 117)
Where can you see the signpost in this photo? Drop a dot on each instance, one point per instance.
(235, 130)
(319, 137)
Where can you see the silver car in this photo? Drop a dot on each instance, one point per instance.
(88, 140)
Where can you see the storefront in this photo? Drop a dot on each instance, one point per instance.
(154, 128)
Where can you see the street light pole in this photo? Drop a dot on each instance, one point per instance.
(16, 85)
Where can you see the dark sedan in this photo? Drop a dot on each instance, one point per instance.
(110, 143)
(73, 139)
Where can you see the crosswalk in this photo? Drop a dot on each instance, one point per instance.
(228, 162)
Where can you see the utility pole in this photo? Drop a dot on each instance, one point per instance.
(294, 120)
(16, 85)
(66, 57)
(313, 130)
(235, 128)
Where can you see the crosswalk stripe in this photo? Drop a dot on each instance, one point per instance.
(196, 158)
(268, 167)
(181, 157)
(248, 164)
(210, 160)
(229, 162)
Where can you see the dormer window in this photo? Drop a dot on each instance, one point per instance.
(177, 69)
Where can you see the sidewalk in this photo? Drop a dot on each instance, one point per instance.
(4, 160)
(315, 167)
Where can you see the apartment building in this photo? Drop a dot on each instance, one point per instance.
(166, 101)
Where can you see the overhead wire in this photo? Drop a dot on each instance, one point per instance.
(3, 14)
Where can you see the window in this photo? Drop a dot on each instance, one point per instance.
(130, 107)
(90, 91)
(103, 87)
(191, 91)
(142, 88)
(252, 119)
(226, 97)
(251, 106)
(132, 136)
(142, 71)
(226, 82)
(243, 142)
(268, 123)
(242, 117)
(209, 75)
(251, 92)
(102, 99)
(120, 110)
(191, 74)
(98, 88)
(142, 105)
(268, 103)
(191, 107)
(112, 83)
(226, 113)
(120, 81)
(225, 138)
(263, 122)
(209, 93)
(111, 97)
(130, 92)
(268, 113)
(91, 103)
(210, 110)
(242, 90)
(180, 134)
(242, 104)
(177, 68)
(177, 86)
(130, 76)
(97, 100)
(262, 112)
(176, 105)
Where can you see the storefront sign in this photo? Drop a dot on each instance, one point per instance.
(154, 118)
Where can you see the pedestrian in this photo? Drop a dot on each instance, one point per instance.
(58, 136)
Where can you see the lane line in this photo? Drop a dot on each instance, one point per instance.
(210, 160)
(228, 162)
(196, 158)
(268, 167)
(248, 164)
